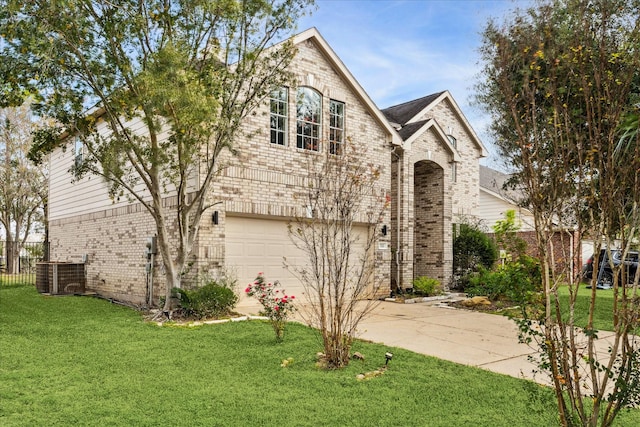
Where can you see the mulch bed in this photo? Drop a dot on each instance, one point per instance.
(498, 307)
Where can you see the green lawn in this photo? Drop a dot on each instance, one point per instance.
(83, 361)
(602, 320)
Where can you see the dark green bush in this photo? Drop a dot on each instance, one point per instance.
(210, 300)
(516, 281)
(472, 249)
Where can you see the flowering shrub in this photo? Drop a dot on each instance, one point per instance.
(276, 304)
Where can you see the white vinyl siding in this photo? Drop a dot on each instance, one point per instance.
(70, 197)
(493, 208)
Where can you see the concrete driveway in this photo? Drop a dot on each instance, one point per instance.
(471, 338)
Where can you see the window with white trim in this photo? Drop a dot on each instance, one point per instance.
(336, 126)
(308, 117)
(78, 151)
(278, 117)
(453, 141)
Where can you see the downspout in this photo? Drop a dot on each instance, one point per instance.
(398, 215)
(151, 263)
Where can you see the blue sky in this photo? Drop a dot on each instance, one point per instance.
(406, 49)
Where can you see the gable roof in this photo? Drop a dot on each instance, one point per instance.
(422, 127)
(492, 181)
(402, 113)
(345, 74)
(407, 131)
(412, 112)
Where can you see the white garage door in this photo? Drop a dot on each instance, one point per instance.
(260, 245)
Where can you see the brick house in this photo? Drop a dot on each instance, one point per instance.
(495, 200)
(427, 151)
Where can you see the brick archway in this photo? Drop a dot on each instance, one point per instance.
(429, 220)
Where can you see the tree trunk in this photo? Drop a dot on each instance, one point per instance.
(13, 255)
(172, 269)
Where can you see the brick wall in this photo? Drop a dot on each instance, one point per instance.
(430, 198)
(564, 254)
(114, 244)
(465, 191)
(270, 180)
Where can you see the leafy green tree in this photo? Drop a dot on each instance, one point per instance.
(23, 188)
(559, 80)
(506, 232)
(189, 71)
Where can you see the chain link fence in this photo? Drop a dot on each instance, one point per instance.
(18, 261)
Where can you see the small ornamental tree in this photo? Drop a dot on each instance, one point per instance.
(561, 83)
(339, 278)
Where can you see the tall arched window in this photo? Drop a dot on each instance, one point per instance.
(309, 107)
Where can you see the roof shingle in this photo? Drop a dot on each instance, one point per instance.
(494, 181)
(404, 112)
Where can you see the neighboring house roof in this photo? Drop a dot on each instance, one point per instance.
(341, 69)
(493, 181)
(407, 116)
(495, 200)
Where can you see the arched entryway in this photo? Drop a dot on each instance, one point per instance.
(429, 220)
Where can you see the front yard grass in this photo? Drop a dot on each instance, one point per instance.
(603, 313)
(83, 361)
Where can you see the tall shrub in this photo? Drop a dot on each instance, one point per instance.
(472, 249)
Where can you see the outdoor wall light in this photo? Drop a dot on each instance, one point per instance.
(215, 217)
(384, 230)
(388, 356)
